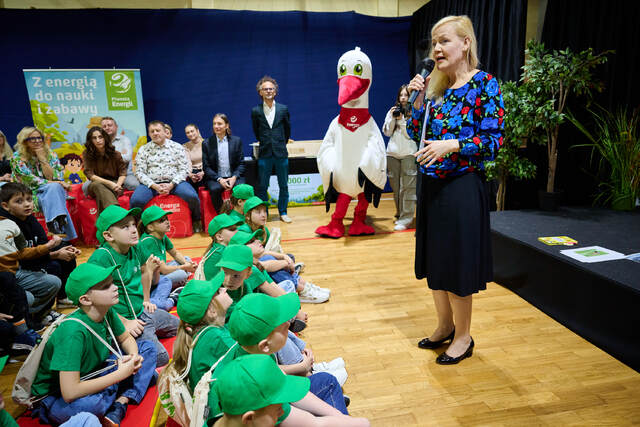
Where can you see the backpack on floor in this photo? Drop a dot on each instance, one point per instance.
(21, 392)
(175, 396)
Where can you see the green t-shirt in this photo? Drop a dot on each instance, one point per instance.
(7, 420)
(71, 347)
(128, 275)
(214, 255)
(236, 215)
(151, 245)
(250, 285)
(247, 229)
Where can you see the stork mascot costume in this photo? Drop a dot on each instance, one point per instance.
(352, 159)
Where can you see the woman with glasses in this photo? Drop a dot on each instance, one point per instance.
(35, 165)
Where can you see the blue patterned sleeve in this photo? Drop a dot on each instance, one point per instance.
(488, 117)
(414, 125)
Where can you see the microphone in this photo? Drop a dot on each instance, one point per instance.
(427, 67)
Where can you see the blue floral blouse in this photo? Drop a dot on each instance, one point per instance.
(474, 115)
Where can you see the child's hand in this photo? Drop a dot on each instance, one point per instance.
(54, 242)
(126, 365)
(137, 363)
(149, 306)
(153, 263)
(307, 360)
(134, 326)
(189, 267)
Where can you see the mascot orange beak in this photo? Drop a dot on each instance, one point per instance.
(350, 88)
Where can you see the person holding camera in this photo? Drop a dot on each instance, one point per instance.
(401, 164)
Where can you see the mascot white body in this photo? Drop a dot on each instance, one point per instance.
(352, 159)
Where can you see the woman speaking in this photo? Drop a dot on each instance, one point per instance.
(462, 129)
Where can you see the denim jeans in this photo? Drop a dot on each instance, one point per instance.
(159, 324)
(281, 165)
(184, 190)
(179, 277)
(291, 353)
(282, 275)
(327, 388)
(54, 410)
(41, 288)
(83, 419)
(52, 198)
(160, 294)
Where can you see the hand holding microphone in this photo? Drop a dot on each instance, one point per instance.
(419, 83)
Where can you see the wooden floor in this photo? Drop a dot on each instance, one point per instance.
(526, 369)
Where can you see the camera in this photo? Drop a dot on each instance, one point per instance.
(398, 111)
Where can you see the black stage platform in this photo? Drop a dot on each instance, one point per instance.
(599, 301)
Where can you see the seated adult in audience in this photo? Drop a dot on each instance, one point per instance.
(35, 165)
(168, 131)
(161, 168)
(194, 155)
(5, 156)
(104, 168)
(124, 146)
(222, 159)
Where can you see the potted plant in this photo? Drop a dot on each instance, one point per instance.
(520, 128)
(552, 77)
(617, 142)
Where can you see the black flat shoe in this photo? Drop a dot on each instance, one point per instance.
(428, 344)
(445, 359)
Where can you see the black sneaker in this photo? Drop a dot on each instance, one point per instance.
(115, 414)
(54, 227)
(347, 400)
(197, 226)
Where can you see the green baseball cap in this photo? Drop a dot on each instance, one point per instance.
(253, 202)
(196, 297)
(243, 191)
(3, 361)
(153, 213)
(257, 315)
(84, 277)
(222, 221)
(242, 237)
(253, 382)
(236, 257)
(110, 216)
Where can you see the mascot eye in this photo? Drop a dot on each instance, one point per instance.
(343, 69)
(357, 70)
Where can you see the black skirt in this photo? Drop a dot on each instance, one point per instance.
(453, 238)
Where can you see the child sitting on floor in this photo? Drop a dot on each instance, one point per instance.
(252, 391)
(280, 266)
(221, 229)
(81, 346)
(116, 230)
(153, 228)
(234, 207)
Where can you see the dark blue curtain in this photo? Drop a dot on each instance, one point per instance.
(195, 63)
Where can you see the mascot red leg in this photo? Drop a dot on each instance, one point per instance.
(335, 228)
(358, 226)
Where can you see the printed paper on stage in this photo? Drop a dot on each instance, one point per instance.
(592, 254)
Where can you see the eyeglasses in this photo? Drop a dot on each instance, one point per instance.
(268, 89)
(34, 139)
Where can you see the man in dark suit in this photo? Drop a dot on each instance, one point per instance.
(272, 128)
(222, 160)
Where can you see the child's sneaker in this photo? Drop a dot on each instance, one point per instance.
(50, 318)
(323, 290)
(298, 268)
(336, 363)
(24, 343)
(115, 414)
(312, 294)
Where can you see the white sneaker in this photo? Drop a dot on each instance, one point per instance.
(400, 227)
(336, 363)
(298, 267)
(64, 303)
(285, 218)
(313, 295)
(318, 288)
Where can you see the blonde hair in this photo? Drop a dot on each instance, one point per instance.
(21, 145)
(186, 332)
(464, 29)
(254, 226)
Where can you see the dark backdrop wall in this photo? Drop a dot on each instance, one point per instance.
(499, 25)
(195, 63)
